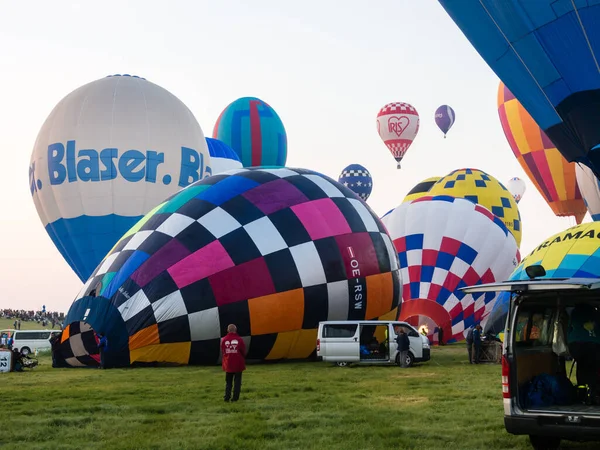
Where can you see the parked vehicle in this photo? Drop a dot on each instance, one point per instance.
(368, 342)
(28, 341)
(539, 398)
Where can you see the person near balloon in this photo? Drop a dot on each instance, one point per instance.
(440, 336)
(477, 343)
(469, 341)
(233, 349)
(403, 346)
(102, 348)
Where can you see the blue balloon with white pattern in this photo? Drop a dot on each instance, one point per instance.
(222, 156)
(358, 179)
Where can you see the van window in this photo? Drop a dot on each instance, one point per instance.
(534, 326)
(32, 336)
(339, 331)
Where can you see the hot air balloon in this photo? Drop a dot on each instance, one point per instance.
(545, 52)
(516, 187)
(479, 187)
(254, 130)
(420, 189)
(444, 118)
(108, 153)
(222, 156)
(398, 125)
(574, 252)
(590, 190)
(551, 174)
(358, 179)
(444, 244)
(273, 250)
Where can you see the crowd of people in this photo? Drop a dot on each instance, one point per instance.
(43, 317)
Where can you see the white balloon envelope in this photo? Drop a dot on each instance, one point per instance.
(108, 153)
(517, 188)
(589, 186)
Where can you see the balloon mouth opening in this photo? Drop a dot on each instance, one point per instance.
(78, 346)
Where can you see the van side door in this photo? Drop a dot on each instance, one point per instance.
(340, 342)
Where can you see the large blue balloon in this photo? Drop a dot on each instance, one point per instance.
(358, 179)
(547, 52)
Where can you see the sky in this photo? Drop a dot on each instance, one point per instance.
(325, 66)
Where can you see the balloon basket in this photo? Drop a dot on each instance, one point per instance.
(398, 166)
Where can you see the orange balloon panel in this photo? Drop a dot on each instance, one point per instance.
(551, 174)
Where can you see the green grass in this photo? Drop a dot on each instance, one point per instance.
(443, 404)
(9, 324)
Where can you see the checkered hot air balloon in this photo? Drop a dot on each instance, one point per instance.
(444, 244)
(273, 251)
(398, 125)
(547, 169)
(358, 179)
(479, 187)
(421, 189)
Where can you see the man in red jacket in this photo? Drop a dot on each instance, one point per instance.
(233, 349)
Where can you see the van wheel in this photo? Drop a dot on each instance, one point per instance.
(410, 359)
(25, 351)
(341, 364)
(544, 442)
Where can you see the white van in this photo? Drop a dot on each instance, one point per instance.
(28, 341)
(368, 342)
(540, 316)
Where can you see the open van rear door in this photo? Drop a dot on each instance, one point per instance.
(548, 284)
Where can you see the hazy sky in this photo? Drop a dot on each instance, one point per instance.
(326, 66)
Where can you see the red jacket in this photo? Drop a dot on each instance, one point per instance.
(233, 349)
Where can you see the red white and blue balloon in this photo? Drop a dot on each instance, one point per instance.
(358, 179)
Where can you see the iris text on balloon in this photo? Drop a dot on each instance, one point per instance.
(70, 164)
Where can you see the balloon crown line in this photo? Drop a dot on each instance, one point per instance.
(124, 75)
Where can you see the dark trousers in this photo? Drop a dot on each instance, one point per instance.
(234, 379)
(470, 350)
(477, 349)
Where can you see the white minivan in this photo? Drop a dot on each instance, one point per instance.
(368, 342)
(542, 314)
(27, 341)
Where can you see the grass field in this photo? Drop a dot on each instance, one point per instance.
(443, 404)
(9, 324)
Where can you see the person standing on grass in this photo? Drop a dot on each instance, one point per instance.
(477, 342)
(102, 348)
(403, 346)
(233, 349)
(469, 341)
(440, 336)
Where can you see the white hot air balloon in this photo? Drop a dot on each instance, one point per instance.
(590, 189)
(446, 243)
(108, 153)
(516, 187)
